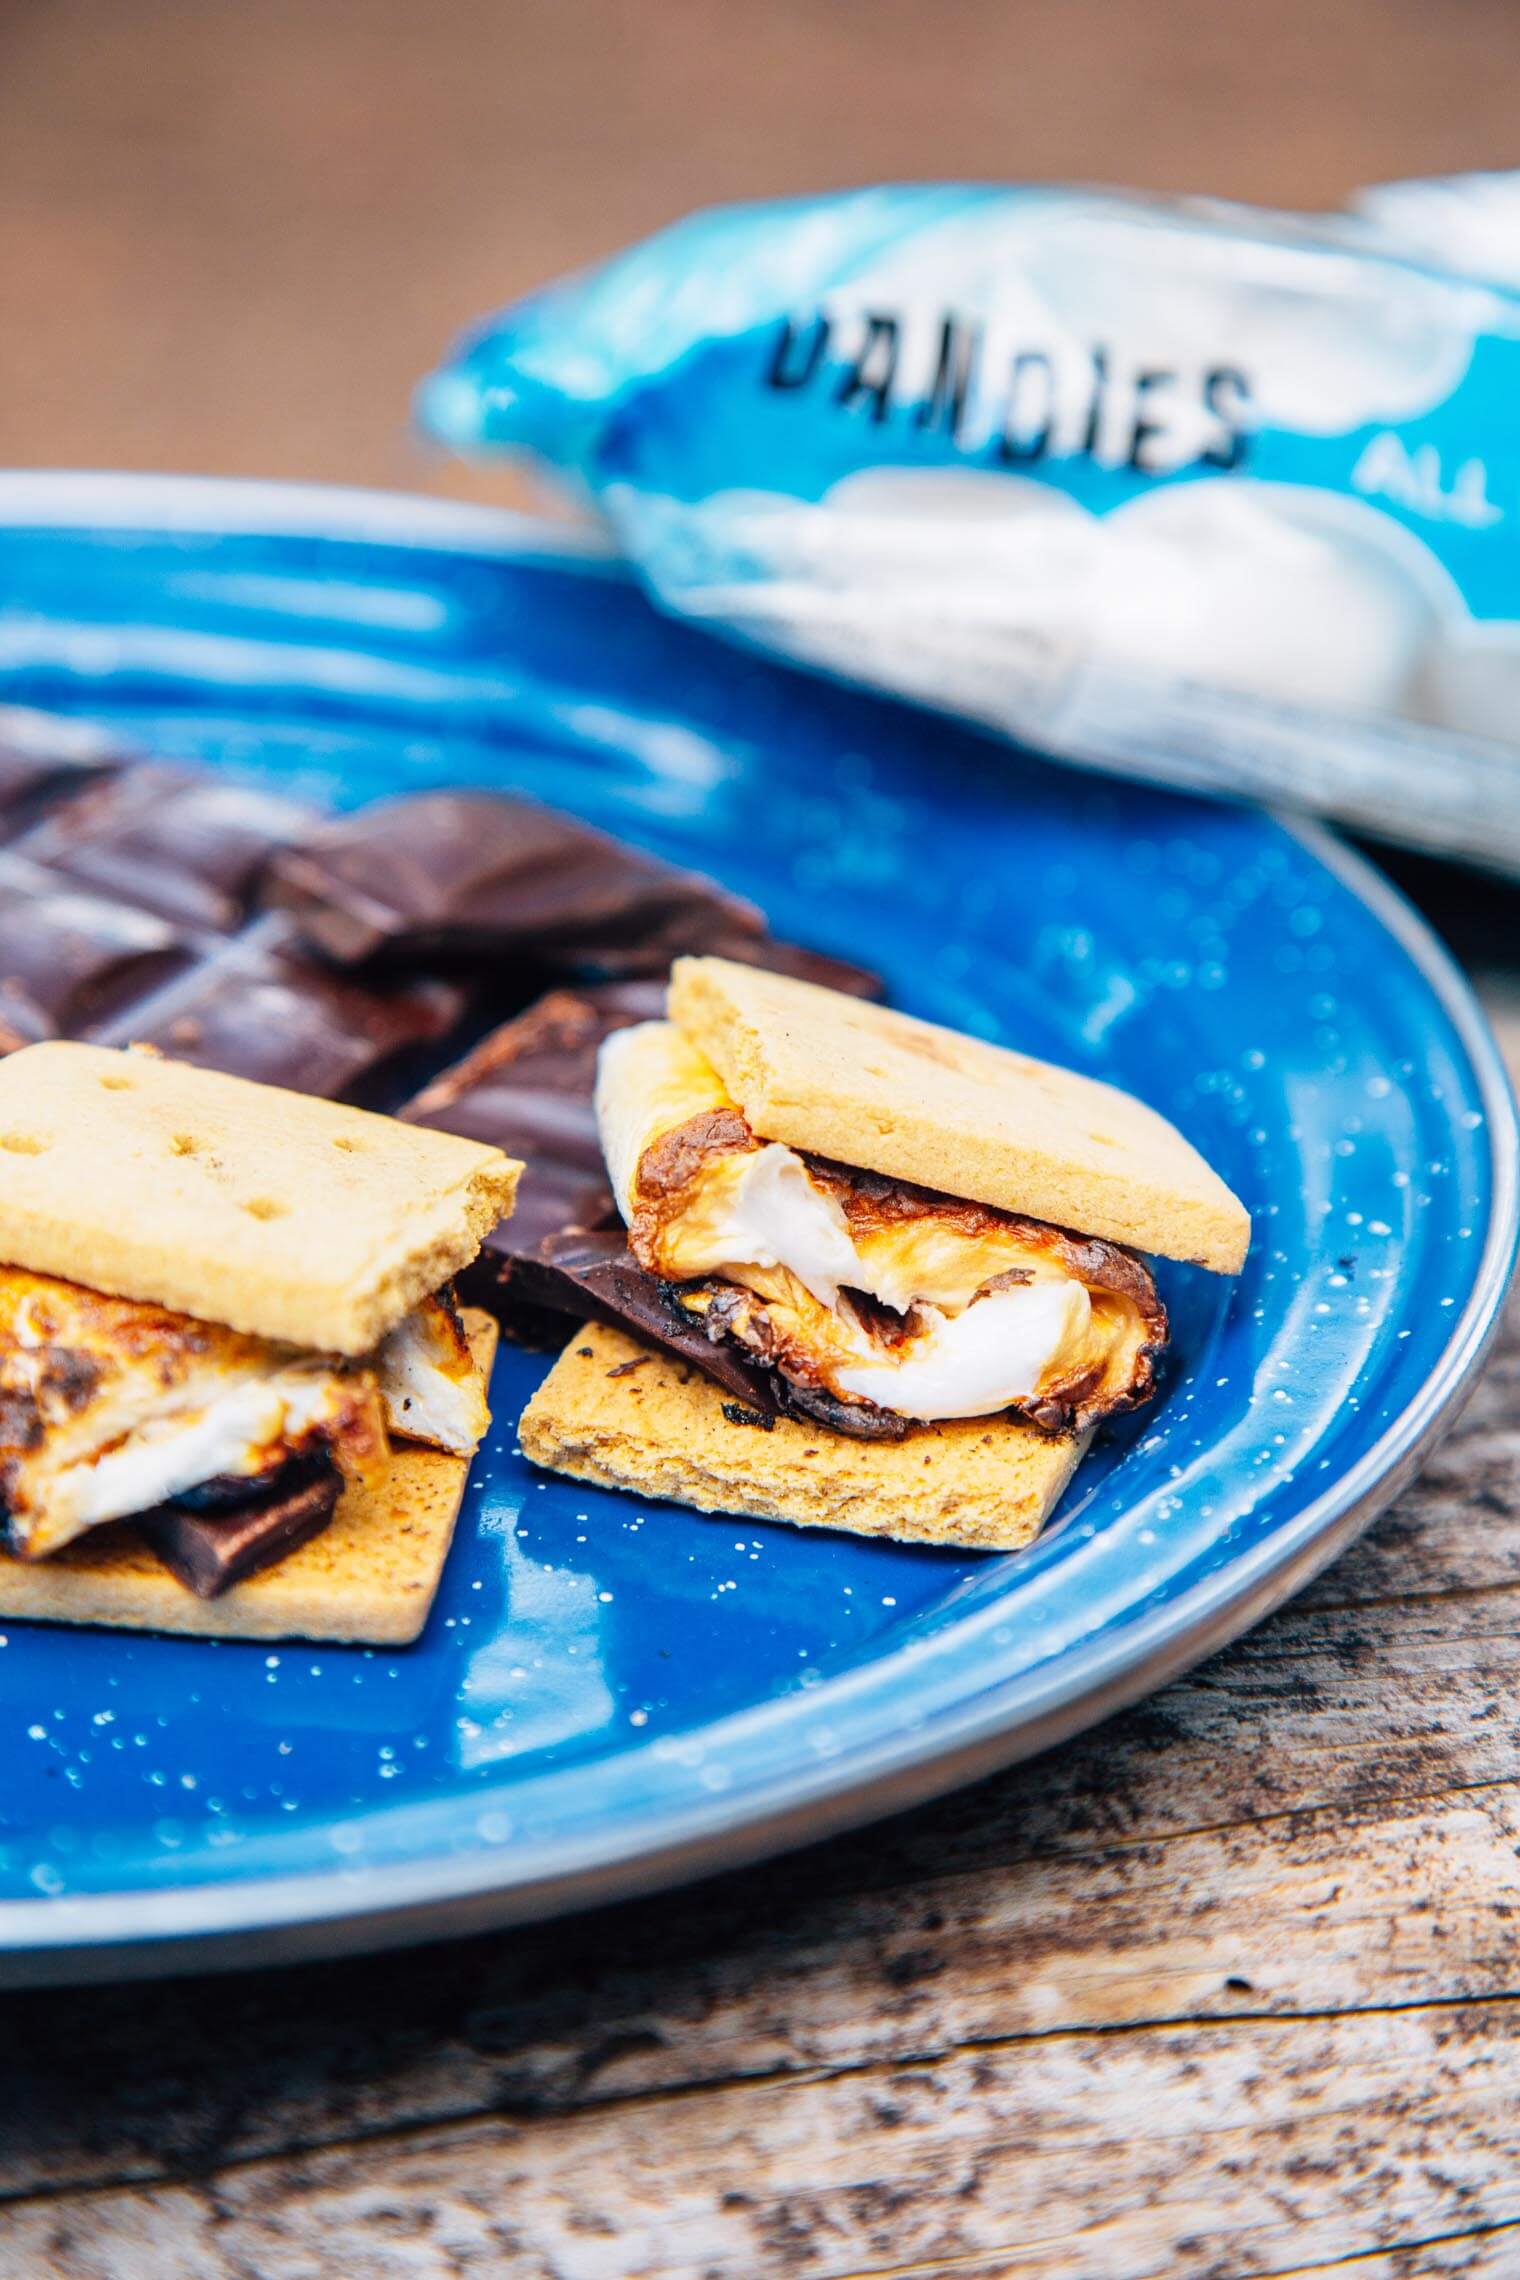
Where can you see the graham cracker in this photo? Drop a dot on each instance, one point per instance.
(892, 1094)
(286, 1217)
(369, 1579)
(663, 1431)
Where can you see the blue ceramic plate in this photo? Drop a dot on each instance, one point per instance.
(610, 1695)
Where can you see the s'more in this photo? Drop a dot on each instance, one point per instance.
(236, 1394)
(930, 1253)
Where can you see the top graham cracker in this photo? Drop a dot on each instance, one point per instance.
(286, 1217)
(891, 1094)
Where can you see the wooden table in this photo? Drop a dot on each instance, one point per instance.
(1228, 1987)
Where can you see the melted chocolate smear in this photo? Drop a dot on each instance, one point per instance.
(737, 1414)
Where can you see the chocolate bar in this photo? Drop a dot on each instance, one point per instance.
(45, 759)
(257, 1007)
(211, 1545)
(448, 877)
(189, 847)
(456, 875)
(68, 960)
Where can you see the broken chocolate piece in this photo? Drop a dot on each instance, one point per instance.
(458, 875)
(594, 1278)
(68, 959)
(126, 916)
(187, 846)
(527, 1088)
(213, 1548)
(256, 1007)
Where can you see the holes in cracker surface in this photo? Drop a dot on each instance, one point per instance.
(265, 1207)
(116, 1084)
(183, 1144)
(24, 1143)
(348, 1146)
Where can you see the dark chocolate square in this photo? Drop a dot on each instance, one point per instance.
(70, 960)
(464, 875)
(527, 1088)
(258, 1008)
(190, 847)
(211, 1550)
(46, 759)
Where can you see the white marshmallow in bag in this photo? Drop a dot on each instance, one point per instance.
(1226, 499)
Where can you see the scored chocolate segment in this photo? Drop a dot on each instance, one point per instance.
(257, 1007)
(69, 960)
(211, 1550)
(45, 759)
(187, 846)
(454, 875)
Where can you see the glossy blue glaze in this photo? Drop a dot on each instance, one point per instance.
(609, 1691)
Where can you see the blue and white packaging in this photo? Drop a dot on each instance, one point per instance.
(1228, 499)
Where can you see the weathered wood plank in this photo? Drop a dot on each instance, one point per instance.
(1458, 1528)
(1413, 1904)
(1488, 2255)
(1234, 2150)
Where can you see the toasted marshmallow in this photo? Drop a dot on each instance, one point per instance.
(238, 1433)
(428, 1382)
(994, 1355)
(109, 1406)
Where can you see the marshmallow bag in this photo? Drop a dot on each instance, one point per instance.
(1222, 498)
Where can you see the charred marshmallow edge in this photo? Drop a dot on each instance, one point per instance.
(428, 1383)
(715, 1201)
(117, 1407)
(227, 1437)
